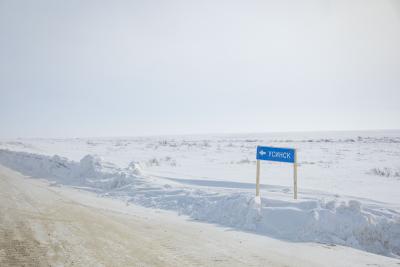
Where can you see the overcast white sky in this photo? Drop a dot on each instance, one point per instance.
(118, 68)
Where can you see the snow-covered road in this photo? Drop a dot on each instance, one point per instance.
(46, 225)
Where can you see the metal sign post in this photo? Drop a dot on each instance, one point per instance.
(288, 155)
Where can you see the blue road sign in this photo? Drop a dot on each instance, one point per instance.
(276, 154)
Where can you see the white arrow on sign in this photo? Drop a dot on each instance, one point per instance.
(262, 152)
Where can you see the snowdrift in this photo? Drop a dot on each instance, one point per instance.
(371, 227)
(90, 171)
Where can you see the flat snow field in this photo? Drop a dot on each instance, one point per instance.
(348, 182)
(43, 224)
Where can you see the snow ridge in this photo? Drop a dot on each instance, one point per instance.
(352, 223)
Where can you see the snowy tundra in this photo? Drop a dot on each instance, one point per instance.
(348, 182)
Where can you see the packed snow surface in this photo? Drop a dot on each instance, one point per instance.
(348, 181)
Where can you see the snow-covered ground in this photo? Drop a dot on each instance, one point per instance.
(42, 225)
(349, 182)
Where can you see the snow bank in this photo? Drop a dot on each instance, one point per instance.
(352, 223)
(347, 223)
(90, 171)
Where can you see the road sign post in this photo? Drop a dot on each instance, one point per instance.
(288, 155)
(258, 179)
(295, 175)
